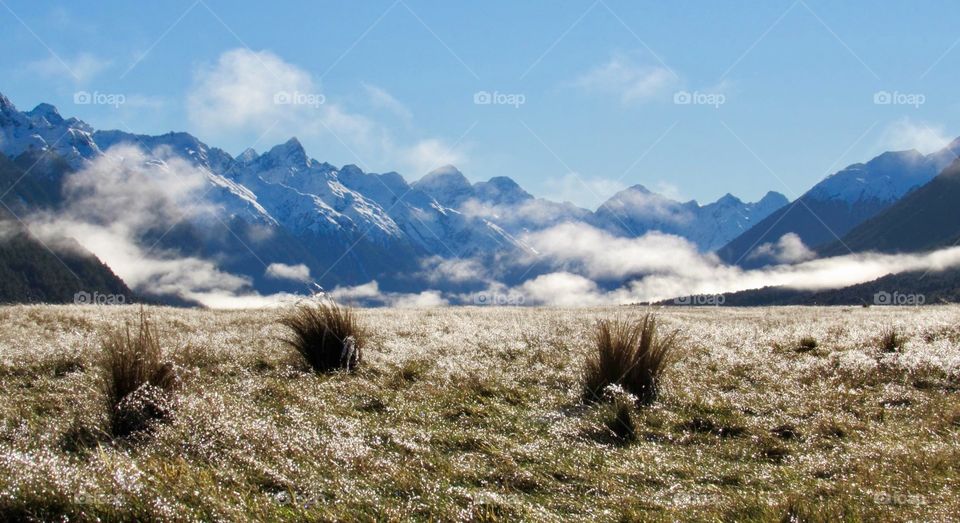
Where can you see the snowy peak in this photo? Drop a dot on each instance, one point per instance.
(43, 129)
(447, 185)
(884, 179)
(636, 210)
(500, 190)
(46, 112)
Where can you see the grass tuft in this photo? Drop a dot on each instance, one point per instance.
(807, 344)
(138, 383)
(328, 337)
(891, 341)
(631, 355)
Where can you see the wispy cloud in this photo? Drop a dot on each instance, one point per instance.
(632, 82)
(906, 133)
(81, 68)
(381, 99)
(249, 93)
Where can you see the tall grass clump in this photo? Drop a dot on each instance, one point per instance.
(138, 383)
(632, 355)
(328, 337)
(891, 341)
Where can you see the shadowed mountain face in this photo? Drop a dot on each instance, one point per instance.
(837, 205)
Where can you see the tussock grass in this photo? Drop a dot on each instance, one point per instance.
(632, 355)
(891, 341)
(138, 383)
(328, 336)
(807, 344)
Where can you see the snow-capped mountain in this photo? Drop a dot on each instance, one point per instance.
(43, 129)
(631, 212)
(343, 226)
(635, 211)
(840, 202)
(499, 200)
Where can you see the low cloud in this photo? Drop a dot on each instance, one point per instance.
(369, 294)
(658, 266)
(282, 271)
(788, 249)
(116, 205)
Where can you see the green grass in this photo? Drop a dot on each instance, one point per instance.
(478, 414)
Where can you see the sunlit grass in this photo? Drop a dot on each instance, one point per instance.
(464, 414)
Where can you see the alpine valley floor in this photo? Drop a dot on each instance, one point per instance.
(475, 414)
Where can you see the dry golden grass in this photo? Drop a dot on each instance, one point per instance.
(138, 383)
(470, 413)
(328, 336)
(632, 355)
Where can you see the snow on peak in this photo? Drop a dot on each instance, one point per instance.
(290, 153)
(885, 178)
(447, 185)
(47, 112)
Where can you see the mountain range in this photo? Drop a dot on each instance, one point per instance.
(280, 221)
(839, 203)
(284, 209)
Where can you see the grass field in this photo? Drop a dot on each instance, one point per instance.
(790, 414)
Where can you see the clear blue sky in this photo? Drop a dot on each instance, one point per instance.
(598, 81)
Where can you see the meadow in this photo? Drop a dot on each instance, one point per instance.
(466, 414)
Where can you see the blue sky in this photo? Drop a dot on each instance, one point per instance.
(783, 92)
